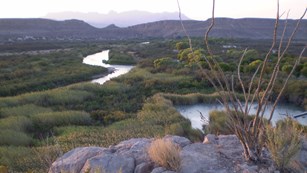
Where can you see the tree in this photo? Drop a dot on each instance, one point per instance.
(181, 45)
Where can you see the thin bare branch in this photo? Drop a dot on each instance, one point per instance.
(247, 110)
(276, 68)
(239, 74)
(264, 66)
(210, 28)
(283, 35)
(184, 30)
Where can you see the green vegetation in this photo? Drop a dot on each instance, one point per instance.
(121, 58)
(48, 109)
(284, 141)
(25, 72)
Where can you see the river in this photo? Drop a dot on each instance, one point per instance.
(189, 111)
(192, 112)
(97, 60)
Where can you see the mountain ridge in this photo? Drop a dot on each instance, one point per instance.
(45, 29)
(122, 19)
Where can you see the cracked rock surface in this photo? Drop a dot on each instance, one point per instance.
(217, 154)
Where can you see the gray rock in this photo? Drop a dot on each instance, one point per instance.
(221, 154)
(74, 160)
(244, 168)
(110, 163)
(158, 170)
(144, 167)
(230, 147)
(135, 148)
(210, 139)
(198, 157)
(181, 141)
(302, 156)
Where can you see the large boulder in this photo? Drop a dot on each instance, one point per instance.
(218, 154)
(110, 163)
(128, 156)
(198, 157)
(74, 160)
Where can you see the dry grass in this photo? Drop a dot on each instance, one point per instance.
(165, 153)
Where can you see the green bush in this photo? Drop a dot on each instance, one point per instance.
(23, 110)
(120, 58)
(174, 129)
(158, 110)
(218, 123)
(18, 123)
(46, 121)
(109, 117)
(190, 99)
(25, 159)
(283, 141)
(14, 138)
(61, 96)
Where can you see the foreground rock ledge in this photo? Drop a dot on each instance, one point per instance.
(217, 154)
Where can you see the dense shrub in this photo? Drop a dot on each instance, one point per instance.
(23, 110)
(218, 123)
(18, 123)
(46, 121)
(283, 141)
(174, 129)
(120, 58)
(189, 99)
(14, 138)
(26, 159)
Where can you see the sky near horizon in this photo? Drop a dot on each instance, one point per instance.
(194, 9)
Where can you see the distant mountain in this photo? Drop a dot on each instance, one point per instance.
(252, 28)
(14, 30)
(123, 19)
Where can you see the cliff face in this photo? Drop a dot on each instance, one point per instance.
(44, 29)
(217, 154)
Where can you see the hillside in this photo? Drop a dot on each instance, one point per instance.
(122, 19)
(12, 30)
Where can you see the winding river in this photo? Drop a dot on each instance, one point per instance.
(191, 112)
(97, 60)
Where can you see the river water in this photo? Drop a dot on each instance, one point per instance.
(97, 60)
(192, 112)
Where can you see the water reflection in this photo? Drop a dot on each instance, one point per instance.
(97, 60)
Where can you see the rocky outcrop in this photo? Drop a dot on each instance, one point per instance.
(217, 154)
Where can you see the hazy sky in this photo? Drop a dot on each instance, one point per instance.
(195, 9)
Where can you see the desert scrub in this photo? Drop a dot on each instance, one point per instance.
(189, 99)
(165, 153)
(46, 121)
(14, 138)
(17, 123)
(283, 141)
(219, 123)
(22, 110)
